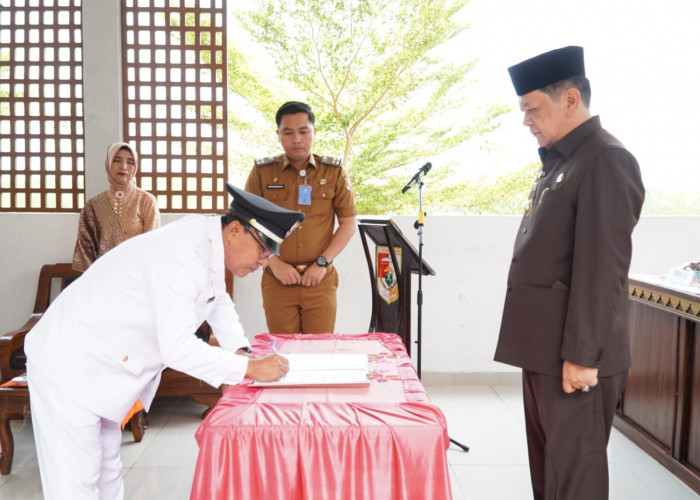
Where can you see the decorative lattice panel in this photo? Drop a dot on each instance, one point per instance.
(174, 86)
(41, 106)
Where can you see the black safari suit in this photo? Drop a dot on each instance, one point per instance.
(567, 299)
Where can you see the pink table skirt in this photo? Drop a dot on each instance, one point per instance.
(385, 441)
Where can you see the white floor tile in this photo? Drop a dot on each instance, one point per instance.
(457, 493)
(25, 451)
(493, 436)
(23, 482)
(131, 450)
(512, 397)
(623, 451)
(148, 483)
(170, 450)
(464, 396)
(646, 480)
(494, 482)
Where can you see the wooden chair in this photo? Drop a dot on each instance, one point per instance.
(14, 401)
(52, 280)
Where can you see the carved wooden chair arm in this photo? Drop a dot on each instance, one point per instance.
(10, 342)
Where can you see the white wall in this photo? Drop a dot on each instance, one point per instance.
(462, 303)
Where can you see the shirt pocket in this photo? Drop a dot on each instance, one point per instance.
(321, 202)
(322, 193)
(277, 194)
(551, 195)
(125, 357)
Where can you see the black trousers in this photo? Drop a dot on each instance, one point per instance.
(567, 436)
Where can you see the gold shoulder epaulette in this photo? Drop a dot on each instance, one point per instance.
(330, 160)
(261, 162)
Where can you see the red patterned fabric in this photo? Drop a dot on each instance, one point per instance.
(383, 441)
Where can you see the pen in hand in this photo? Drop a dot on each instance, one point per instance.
(283, 361)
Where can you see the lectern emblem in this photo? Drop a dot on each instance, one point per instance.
(387, 284)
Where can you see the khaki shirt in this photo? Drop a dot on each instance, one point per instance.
(275, 179)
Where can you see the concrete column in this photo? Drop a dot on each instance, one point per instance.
(102, 84)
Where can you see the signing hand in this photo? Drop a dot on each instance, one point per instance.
(576, 377)
(267, 369)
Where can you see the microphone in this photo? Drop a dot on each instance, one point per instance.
(421, 171)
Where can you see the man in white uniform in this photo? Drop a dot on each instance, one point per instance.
(106, 339)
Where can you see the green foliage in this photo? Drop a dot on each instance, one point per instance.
(507, 194)
(5, 109)
(383, 99)
(501, 195)
(658, 202)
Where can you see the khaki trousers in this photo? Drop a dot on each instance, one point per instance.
(300, 309)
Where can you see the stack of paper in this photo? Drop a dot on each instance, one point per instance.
(318, 370)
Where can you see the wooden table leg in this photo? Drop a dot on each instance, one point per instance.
(137, 424)
(14, 405)
(7, 442)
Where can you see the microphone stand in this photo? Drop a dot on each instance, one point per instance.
(419, 296)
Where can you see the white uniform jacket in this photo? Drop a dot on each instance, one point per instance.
(107, 337)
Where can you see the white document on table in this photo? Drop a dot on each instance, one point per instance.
(323, 369)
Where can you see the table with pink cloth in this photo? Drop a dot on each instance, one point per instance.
(384, 441)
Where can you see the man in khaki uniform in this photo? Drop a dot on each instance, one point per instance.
(299, 286)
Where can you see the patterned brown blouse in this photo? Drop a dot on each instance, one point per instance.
(106, 221)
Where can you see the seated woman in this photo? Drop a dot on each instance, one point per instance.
(117, 214)
(109, 218)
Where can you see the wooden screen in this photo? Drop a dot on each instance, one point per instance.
(174, 93)
(41, 106)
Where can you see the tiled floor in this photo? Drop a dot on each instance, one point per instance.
(487, 419)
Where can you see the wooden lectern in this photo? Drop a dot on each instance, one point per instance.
(390, 275)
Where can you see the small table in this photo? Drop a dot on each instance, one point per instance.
(382, 441)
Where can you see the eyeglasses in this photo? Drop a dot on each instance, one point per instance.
(266, 252)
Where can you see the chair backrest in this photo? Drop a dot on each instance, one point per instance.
(53, 278)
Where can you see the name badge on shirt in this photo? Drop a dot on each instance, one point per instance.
(304, 195)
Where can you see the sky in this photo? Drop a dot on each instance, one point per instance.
(642, 58)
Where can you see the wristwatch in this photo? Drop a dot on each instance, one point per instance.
(323, 262)
(246, 349)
